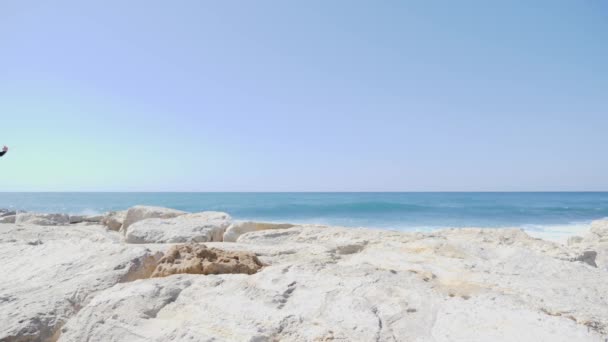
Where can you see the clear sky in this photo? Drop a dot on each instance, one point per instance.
(303, 95)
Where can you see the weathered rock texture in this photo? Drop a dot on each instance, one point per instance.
(317, 284)
(200, 227)
(198, 259)
(49, 273)
(327, 283)
(239, 228)
(142, 212)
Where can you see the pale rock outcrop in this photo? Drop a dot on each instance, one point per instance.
(239, 228)
(329, 283)
(8, 219)
(200, 227)
(595, 241)
(317, 283)
(142, 212)
(42, 219)
(198, 259)
(113, 220)
(49, 273)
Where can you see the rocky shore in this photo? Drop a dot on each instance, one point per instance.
(158, 274)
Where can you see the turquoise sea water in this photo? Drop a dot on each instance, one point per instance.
(407, 211)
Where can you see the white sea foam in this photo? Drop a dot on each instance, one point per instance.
(557, 233)
(89, 212)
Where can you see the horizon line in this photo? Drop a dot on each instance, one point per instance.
(304, 192)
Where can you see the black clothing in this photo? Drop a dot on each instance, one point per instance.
(2, 153)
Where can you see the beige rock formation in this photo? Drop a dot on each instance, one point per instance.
(198, 259)
(114, 219)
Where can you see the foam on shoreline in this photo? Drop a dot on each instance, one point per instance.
(557, 233)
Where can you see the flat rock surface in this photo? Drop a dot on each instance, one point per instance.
(142, 212)
(200, 227)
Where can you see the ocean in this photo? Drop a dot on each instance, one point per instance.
(546, 214)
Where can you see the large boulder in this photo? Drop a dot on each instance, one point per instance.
(42, 219)
(198, 259)
(239, 228)
(142, 212)
(200, 227)
(49, 273)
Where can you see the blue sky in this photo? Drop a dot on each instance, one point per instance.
(303, 96)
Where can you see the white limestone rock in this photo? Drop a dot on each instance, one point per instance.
(49, 273)
(142, 212)
(239, 228)
(42, 219)
(328, 283)
(200, 227)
